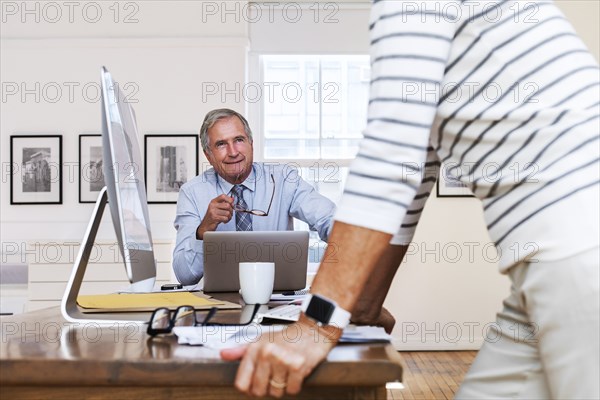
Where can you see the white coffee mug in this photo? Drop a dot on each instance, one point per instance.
(256, 281)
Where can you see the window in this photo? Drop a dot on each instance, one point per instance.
(313, 116)
(316, 108)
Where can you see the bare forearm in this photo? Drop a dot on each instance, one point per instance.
(370, 302)
(349, 261)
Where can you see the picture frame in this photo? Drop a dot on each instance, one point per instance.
(91, 175)
(448, 186)
(170, 160)
(36, 169)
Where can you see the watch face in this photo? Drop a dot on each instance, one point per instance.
(320, 309)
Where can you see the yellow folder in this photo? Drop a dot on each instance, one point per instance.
(150, 301)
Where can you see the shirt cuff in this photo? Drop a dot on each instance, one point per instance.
(377, 221)
(196, 245)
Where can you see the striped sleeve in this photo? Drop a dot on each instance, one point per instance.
(430, 174)
(409, 51)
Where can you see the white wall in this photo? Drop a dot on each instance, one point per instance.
(448, 289)
(166, 57)
(584, 15)
(168, 49)
(165, 77)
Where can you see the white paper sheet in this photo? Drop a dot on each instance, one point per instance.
(224, 337)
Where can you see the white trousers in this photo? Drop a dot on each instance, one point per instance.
(546, 341)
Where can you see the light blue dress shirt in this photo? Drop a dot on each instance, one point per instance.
(294, 198)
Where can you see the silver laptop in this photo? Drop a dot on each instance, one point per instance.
(223, 251)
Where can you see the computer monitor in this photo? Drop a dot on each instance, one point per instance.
(124, 178)
(126, 196)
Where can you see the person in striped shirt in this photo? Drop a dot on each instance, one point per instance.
(504, 96)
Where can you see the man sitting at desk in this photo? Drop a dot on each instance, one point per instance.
(262, 197)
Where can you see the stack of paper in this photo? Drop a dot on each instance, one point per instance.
(223, 337)
(364, 334)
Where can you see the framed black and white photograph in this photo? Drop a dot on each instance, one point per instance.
(169, 162)
(36, 169)
(449, 186)
(91, 177)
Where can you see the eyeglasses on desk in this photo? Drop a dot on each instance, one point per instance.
(163, 320)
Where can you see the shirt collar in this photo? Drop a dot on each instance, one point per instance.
(249, 183)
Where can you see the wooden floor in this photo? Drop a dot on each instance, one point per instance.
(432, 374)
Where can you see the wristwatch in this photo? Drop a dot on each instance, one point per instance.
(325, 311)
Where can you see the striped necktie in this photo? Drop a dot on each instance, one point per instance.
(243, 221)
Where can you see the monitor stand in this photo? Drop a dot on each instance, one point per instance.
(69, 308)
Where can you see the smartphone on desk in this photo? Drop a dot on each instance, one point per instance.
(171, 286)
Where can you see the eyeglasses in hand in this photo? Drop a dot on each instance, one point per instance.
(239, 208)
(163, 321)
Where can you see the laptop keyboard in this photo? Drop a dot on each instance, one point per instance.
(286, 312)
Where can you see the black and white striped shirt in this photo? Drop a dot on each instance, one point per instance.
(506, 95)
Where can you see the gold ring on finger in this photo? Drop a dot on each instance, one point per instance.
(277, 385)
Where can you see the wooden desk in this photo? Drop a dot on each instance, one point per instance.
(44, 357)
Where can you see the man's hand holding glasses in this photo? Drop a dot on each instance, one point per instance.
(239, 208)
